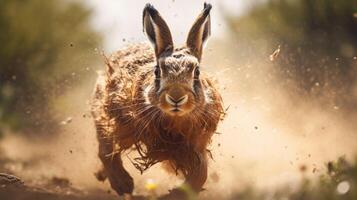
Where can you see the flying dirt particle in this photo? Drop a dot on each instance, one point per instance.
(309, 155)
(66, 121)
(314, 170)
(219, 144)
(226, 110)
(355, 58)
(256, 127)
(355, 15)
(71, 45)
(302, 168)
(330, 167)
(70, 151)
(232, 156)
(85, 115)
(13, 77)
(337, 58)
(123, 39)
(275, 54)
(214, 177)
(335, 107)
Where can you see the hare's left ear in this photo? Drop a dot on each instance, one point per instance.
(200, 31)
(157, 30)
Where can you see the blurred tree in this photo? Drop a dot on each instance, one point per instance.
(318, 41)
(44, 46)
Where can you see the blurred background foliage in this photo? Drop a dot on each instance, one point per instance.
(318, 42)
(338, 182)
(44, 46)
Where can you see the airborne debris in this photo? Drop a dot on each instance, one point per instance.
(303, 168)
(215, 177)
(314, 170)
(275, 54)
(66, 121)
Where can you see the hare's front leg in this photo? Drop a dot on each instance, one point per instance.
(197, 173)
(120, 180)
(195, 178)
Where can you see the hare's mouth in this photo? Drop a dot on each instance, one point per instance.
(175, 110)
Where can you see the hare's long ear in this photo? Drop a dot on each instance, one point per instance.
(157, 30)
(200, 31)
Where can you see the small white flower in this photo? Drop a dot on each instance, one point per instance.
(343, 187)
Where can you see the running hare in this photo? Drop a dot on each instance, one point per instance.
(156, 102)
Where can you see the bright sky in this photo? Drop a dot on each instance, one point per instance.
(120, 20)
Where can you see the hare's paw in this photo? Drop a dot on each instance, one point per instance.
(175, 194)
(101, 175)
(121, 182)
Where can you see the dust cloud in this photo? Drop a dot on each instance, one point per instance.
(268, 135)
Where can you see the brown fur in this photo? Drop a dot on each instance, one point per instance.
(124, 121)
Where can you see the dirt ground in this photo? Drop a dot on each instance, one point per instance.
(13, 188)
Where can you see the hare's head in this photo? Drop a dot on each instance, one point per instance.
(177, 87)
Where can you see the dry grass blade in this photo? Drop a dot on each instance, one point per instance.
(275, 54)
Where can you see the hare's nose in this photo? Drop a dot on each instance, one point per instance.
(176, 101)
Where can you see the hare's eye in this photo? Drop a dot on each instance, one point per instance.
(157, 72)
(196, 73)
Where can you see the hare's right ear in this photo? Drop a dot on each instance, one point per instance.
(157, 30)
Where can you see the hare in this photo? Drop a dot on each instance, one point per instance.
(155, 101)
